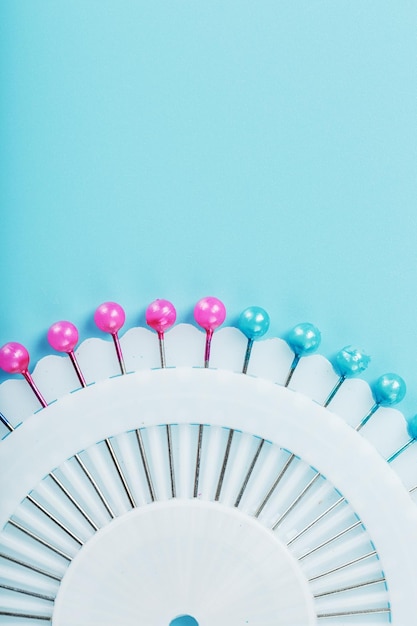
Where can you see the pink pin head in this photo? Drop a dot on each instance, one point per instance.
(14, 358)
(63, 336)
(209, 313)
(161, 315)
(109, 317)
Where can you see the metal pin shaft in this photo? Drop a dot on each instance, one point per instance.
(94, 485)
(275, 484)
(145, 465)
(198, 458)
(120, 473)
(249, 473)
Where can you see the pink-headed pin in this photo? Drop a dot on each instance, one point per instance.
(63, 337)
(160, 316)
(209, 313)
(110, 317)
(14, 359)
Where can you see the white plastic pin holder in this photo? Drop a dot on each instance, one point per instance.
(296, 518)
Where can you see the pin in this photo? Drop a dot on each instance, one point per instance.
(349, 362)
(29, 566)
(14, 359)
(95, 485)
(54, 519)
(209, 313)
(388, 390)
(145, 465)
(249, 473)
(160, 316)
(110, 317)
(367, 583)
(254, 324)
(303, 339)
(328, 541)
(26, 592)
(120, 472)
(44, 618)
(74, 501)
(296, 500)
(412, 431)
(278, 479)
(6, 423)
(344, 565)
(317, 519)
(43, 542)
(63, 337)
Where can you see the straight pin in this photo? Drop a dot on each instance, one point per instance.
(340, 567)
(32, 594)
(287, 464)
(412, 431)
(328, 541)
(296, 501)
(224, 464)
(160, 316)
(95, 485)
(145, 465)
(54, 519)
(209, 313)
(63, 337)
(120, 472)
(249, 473)
(368, 583)
(110, 317)
(317, 519)
(74, 501)
(43, 618)
(358, 612)
(43, 542)
(14, 359)
(303, 339)
(198, 459)
(254, 324)
(388, 390)
(349, 362)
(33, 568)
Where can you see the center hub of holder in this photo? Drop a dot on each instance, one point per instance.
(184, 558)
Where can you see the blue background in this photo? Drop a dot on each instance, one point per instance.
(261, 151)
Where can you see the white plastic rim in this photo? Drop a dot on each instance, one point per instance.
(184, 558)
(285, 417)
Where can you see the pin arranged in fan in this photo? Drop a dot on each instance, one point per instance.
(209, 313)
(161, 315)
(110, 317)
(254, 323)
(388, 390)
(63, 337)
(182, 439)
(349, 362)
(304, 339)
(14, 359)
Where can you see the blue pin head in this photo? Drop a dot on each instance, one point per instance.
(412, 427)
(254, 322)
(351, 361)
(389, 389)
(304, 339)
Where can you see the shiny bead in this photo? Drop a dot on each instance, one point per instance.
(209, 313)
(14, 358)
(351, 361)
(63, 336)
(254, 322)
(304, 339)
(161, 315)
(412, 427)
(109, 317)
(389, 389)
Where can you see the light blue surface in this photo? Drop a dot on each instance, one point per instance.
(262, 151)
